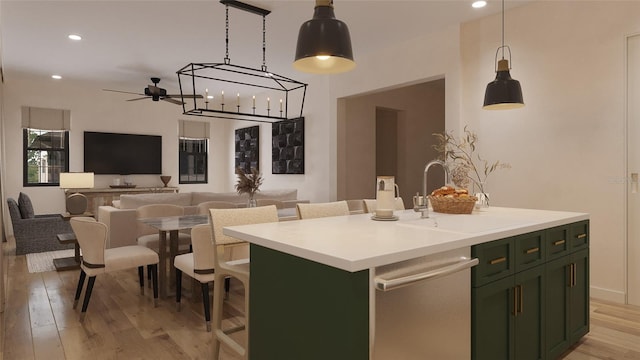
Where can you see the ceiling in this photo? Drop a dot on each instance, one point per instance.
(127, 42)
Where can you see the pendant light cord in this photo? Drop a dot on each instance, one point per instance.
(226, 56)
(264, 43)
(502, 29)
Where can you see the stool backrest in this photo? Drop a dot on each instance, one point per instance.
(317, 210)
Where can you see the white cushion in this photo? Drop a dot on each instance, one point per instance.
(184, 263)
(124, 257)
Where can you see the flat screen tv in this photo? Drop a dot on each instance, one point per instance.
(122, 154)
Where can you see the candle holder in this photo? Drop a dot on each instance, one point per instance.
(206, 105)
(238, 106)
(254, 110)
(222, 106)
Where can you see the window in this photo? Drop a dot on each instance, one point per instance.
(193, 160)
(45, 156)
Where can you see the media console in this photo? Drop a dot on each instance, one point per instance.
(105, 196)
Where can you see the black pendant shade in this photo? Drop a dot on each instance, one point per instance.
(324, 43)
(503, 93)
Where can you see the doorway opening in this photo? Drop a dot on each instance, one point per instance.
(389, 132)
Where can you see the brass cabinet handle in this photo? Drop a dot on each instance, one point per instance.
(515, 301)
(559, 242)
(573, 277)
(582, 236)
(532, 250)
(498, 260)
(521, 296)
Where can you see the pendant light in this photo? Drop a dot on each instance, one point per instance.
(503, 93)
(324, 43)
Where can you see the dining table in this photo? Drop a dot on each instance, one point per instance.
(172, 225)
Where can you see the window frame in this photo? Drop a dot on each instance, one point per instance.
(200, 156)
(25, 151)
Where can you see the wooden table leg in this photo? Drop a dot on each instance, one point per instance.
(162, 267)
(173, 251)
(68, 263)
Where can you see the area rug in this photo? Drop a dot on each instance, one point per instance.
(41, 262)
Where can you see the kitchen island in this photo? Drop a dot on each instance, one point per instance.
(313, 281)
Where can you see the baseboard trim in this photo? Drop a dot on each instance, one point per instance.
(608, 295)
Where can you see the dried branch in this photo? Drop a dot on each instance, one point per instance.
(248, 183)
(461, 159)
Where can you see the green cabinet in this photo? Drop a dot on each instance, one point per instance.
(507, 320)
(567, 304)
(530, 294)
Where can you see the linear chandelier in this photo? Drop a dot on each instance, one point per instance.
(240, 92)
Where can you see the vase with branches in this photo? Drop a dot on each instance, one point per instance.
(248, 183)
(466, 165)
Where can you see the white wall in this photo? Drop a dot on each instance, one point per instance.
(95, 110)
(425, 58)
(566, 145)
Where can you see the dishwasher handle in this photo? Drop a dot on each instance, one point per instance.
(401, 281)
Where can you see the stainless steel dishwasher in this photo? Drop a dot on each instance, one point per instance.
(421, 308)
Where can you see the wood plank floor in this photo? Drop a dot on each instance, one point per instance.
(40, 323)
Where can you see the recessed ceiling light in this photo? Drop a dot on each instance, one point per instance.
(75, 37)
(479, 4)
(57, 77)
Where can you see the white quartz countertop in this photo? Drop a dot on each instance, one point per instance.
(356, 242)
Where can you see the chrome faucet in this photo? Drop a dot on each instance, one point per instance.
(421, 204)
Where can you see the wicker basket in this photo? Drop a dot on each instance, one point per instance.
(453, 205)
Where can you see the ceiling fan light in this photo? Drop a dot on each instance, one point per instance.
(504, 92)
(324, 43)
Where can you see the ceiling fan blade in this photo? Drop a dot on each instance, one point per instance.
(124, 92)
(173, 101)
(142, 98)
(185, 96)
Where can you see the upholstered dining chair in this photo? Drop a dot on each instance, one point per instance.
(356, 206)
(370, 204)
(96, 259)
(199, 265)
(239, 269)
(264, 202)
(317, 210)
(203, 208)
(149, 236)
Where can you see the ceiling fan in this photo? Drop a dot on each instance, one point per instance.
(156, 93)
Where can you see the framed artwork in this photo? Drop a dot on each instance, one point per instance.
(287, 146)
(248, 148)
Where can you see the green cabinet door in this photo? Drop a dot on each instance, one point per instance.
(567, 302)
(557, 306)
(529, 321)
(492, 308)
(579, 296)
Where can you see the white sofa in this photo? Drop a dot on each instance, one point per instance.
(121, 217)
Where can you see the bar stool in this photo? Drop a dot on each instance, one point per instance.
(239, 269)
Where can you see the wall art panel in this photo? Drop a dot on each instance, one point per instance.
(248, 148)
(287, 146)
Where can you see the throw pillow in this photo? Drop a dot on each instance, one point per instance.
(25, 206)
